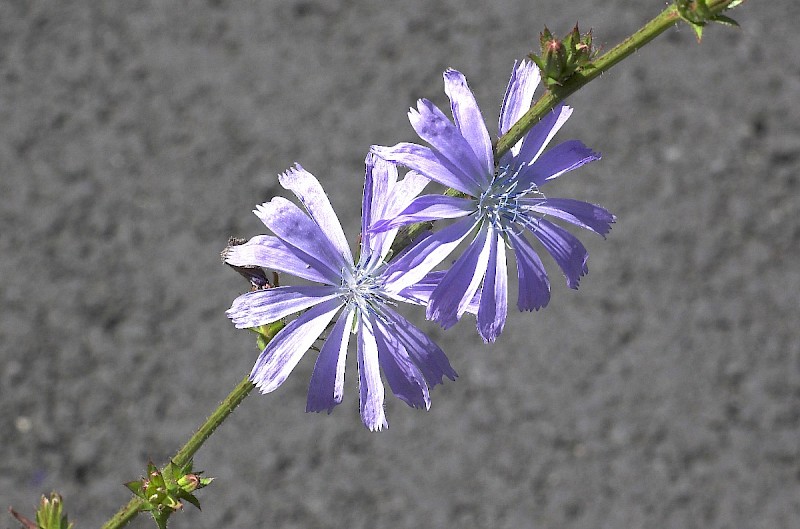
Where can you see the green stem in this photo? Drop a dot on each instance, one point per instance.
(550, 99)
(185, 454)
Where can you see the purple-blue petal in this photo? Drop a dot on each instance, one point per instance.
(494, 294)
(286, 348)
(404, 378)
(428, 163)
(428, 208)
(452, 296)
(420, 292)
(325, 390)
(270, 252)
(540, 135)
(426, 355)
(433, 126)
(468, 119)
(297, 229)
(266, 306)
(534, 286)
(425, 255)
(566, 249)
(308, 189)
(583, 214)
(556, 161)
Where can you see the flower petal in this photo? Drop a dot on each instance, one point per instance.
(405, 191)
(451, 298)
(270, 252)
(565, 248)
(420, 292)
(384, 197)
(583, 214)
(428, 357)
(287, 347)
(553, 163)
(425, 255)
(540, 135)
(430, 164)
(494, 294)
(428, 208)
(379, 179)
(326, 388)
(434, 127)
(468, 119)
(519, 94)
(266, 306)
(405, 379)
(295, 228)
(534, 287)
(308, 189)
(370, 384)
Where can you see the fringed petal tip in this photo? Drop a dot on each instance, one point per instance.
(260, 383)
(314, 408)
(377, 426)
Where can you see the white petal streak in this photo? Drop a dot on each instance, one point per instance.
(494, 299)
(310, 192)
(369, 379)
(379, 191)
(519, 94)
(286, 349)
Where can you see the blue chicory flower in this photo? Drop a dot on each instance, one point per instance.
(313, 246)
(504, 203)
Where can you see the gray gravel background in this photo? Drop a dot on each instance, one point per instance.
(136, 136)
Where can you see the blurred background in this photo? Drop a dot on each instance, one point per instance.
(136, 136)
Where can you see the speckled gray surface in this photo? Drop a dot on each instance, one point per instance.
(136, 136)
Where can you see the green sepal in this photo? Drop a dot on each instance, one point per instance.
(698, 30)
(265, 333)
(726, 21)
(137, 487)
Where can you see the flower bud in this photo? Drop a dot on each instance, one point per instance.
(560, 59)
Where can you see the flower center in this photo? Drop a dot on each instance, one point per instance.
(500, 204)
(362, 287)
